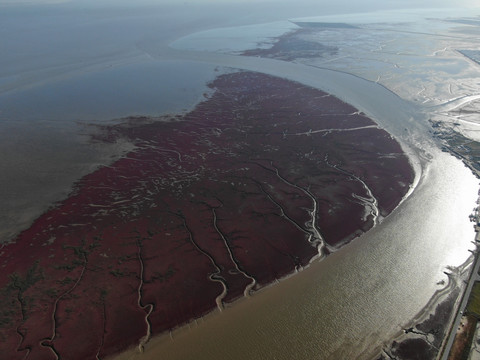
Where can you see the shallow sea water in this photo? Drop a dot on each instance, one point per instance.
(45, 129)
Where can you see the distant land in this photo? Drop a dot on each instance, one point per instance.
(315, 24)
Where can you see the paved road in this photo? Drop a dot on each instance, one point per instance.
(456, 323)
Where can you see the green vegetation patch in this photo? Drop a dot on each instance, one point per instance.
(473, 306)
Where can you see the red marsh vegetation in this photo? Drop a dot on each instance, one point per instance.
(252, 184)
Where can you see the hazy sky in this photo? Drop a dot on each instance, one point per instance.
(369, 4)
